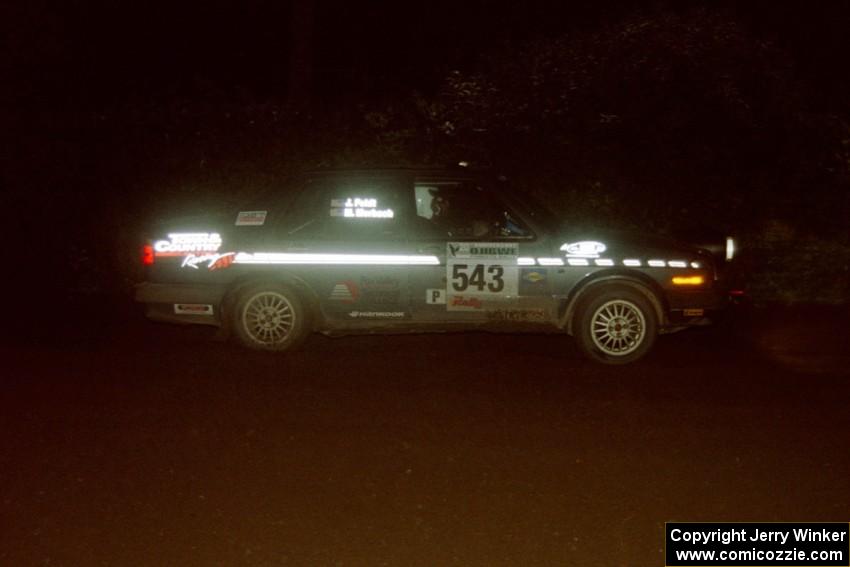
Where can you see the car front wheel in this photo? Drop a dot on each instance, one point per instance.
(616, 325)
(269, 317)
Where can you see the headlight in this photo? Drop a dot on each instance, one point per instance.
(730, 248)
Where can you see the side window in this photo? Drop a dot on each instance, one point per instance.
(463, 210)
(358, 209)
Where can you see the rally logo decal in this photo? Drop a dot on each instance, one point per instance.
(461, 303)
(478, 272)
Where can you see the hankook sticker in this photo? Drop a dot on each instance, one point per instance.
(377, 314)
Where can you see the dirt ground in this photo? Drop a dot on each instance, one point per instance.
(124, 442)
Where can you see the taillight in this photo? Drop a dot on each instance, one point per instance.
(147, 255)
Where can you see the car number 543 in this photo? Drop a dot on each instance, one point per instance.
(484, 278)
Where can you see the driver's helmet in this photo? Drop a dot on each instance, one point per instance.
(439, 204)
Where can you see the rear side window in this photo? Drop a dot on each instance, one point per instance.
(348, 209)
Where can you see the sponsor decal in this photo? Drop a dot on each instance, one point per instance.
(345, 292)
(584, 249)
(213, 261)
(491, 250)
(480, 271)
(377, 314)
(224, 261)
(461, 303)
(379, 283)
(694, 312)
(185, 243)
(359, 208)
(251, 218)
(518, 315)
(381, 296)
(380, 290)
(435, 296)
(193, 309)
(534, 276)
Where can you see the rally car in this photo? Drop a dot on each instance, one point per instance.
(424, 250)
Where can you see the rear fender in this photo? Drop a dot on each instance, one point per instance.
(305, 293)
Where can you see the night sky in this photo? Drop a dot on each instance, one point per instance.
(132, 106)
(95, 53)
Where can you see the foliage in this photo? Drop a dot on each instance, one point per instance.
(678, 115)
(653, 122)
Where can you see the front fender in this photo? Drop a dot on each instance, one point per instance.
(585, 288)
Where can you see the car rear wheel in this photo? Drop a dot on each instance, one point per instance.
(616, 325)
(270, 317)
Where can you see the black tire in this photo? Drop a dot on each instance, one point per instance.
(616, 324)
(270, 316)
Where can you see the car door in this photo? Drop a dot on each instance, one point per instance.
(482, 247)
(354, 255)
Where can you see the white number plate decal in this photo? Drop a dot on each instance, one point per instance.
(478, 272)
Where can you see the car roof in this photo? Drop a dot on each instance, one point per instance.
(392, 172)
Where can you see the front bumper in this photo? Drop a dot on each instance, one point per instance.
(689, 308)
(709, 300)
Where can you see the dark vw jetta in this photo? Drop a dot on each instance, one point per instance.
(422, 250)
